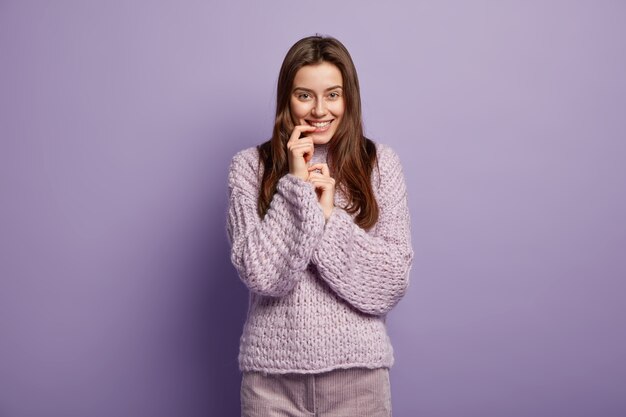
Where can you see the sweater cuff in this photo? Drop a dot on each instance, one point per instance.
(337, 234)
(295, 189)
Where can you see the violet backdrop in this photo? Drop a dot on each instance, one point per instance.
(118, 120)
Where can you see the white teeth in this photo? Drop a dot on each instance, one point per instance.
(321, 124)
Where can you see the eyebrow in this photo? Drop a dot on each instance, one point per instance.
(328, 89)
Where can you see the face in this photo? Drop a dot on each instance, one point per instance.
(317, 100)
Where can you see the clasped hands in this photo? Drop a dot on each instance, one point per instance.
(299, 152)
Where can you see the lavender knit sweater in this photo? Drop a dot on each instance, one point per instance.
(319, 290)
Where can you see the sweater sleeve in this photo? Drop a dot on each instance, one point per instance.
(269, 254)
(370, 270)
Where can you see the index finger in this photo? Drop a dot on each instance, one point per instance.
(325, 170)
(298, 130)
(321, 166)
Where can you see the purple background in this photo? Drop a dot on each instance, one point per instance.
(118, 120)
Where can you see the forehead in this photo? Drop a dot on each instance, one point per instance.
(318, 77)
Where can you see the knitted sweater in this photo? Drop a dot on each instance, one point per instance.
(319, 290)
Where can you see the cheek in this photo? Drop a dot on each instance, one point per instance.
(338, 109)
(298, 110)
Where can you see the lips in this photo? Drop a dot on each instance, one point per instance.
(320, 125)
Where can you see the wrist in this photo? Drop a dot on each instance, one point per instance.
(295, 174)
(303, 174)
(328, 213)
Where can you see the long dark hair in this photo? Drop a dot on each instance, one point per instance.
(351, 156)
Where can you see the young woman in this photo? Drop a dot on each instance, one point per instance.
(320, 233)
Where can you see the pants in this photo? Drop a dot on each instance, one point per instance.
(355, 392)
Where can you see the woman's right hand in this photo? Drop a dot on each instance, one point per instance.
(300, 151)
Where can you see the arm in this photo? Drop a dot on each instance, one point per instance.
(270, 254)
(370, 271)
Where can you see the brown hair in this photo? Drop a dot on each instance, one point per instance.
(351, 156)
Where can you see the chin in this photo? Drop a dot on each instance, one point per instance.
(320, 141)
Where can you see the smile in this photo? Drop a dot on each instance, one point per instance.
(320, 125)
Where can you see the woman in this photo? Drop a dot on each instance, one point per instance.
(320, 233)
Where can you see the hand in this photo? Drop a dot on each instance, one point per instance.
(300, 151)
(324, 186)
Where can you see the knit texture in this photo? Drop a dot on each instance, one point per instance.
(319, 290)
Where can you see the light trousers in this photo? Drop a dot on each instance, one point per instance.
(355, 392)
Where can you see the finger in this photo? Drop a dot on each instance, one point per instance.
(317, 174)
(325, 170)
(321, 181)
(314, 170)
(298, 130)
(320, 185)
(301, 149)
(316, 166)
(321, 168)
(301, 146)
(303, 139)
(300, 142)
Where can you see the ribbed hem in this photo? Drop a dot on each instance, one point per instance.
(317, 371)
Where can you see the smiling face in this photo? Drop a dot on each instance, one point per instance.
(317, 100)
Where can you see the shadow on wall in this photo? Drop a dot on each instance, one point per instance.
(221, 304)
(226, 311)
(220, 299)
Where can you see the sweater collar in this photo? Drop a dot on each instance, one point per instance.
(320, 153)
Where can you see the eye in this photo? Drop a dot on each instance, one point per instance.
(304, 96)
(334, 95)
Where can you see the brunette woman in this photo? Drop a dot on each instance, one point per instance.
(320, 233)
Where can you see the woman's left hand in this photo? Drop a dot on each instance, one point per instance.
(324, 186)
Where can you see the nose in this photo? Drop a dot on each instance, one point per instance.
(320, 109)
